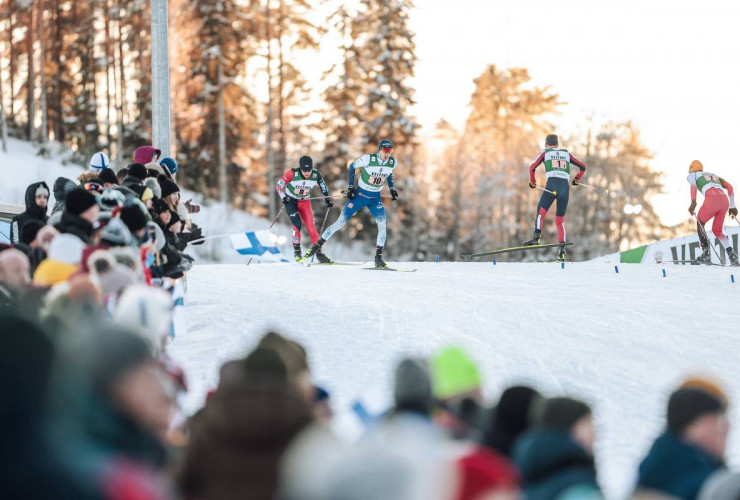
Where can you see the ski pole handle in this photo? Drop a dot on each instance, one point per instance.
(554, 193)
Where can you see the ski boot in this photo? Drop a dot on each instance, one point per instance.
(561, 254)
(534, 241)
(297, 253)
(379, 262)
(311, 252)
(705, 257)
(733, 257)
(322, 258)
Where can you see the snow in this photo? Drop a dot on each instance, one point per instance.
(620, 341)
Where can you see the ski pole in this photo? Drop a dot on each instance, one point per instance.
(365, 196)
(323, 223)
(603, 190)
(554, 193)
(276, 217)
(321, 197)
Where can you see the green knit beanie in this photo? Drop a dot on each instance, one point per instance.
(453, 373)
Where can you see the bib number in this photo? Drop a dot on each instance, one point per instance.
(302, 191)
(559, 164)
(377, 181)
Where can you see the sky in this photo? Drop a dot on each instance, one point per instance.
(670, 67)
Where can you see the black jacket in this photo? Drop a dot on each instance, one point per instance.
(33, 211)
(73, 224)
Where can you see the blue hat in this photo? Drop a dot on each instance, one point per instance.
(385, 143)
(170, 164)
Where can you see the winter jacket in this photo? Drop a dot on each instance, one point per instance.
(129, 181)
(555, 467)
(62, 186)
(675, 467)
(72, 224)
(35, 255)
(238, 439)
(33, 211)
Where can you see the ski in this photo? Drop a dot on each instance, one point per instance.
(389, 269)
(356, 264)
(515, 249)
(692, 262)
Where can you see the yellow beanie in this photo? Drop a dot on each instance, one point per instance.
(696, 166)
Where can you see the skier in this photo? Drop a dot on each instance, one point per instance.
(294, 187)
(715, 205)
(557, 170)
(375, 169)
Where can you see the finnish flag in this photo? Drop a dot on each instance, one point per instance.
(260, 245)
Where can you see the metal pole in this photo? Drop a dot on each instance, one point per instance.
(160, 78)
(221, 134)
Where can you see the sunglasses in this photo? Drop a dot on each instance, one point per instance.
(387, 150)
(93, 186)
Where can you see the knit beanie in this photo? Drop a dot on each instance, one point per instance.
(174, 219)
(290, 351)
(137, 170)
(265, 365)
(111, 198)
(453, 373)
(99, 162)
(133, 217)
(111, 353)
(412, 386)
(561, 413)
(169, 164)
(78, 200)
(111, 276)
(108, 175)
(66, 248)
(160, 206)
(687, 404)
(168, 186)
(42, 189)
(152, 184)
(116, 233)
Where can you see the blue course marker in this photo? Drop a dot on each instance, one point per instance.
(664, 273)
(616, 269)
(436, 259)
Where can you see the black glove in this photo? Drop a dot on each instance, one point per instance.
(576, 181)
(394, 194)
(533, 185)
(351, 192)
(329, 202)
(733, 212)
(287, 199)
(692, 207)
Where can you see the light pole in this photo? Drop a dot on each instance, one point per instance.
(160, 78)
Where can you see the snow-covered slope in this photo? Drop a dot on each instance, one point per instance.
(621, 341)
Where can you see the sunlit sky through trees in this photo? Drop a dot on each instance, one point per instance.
(671, 67)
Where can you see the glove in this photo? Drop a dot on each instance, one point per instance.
(287, 199)
(692, 207)
(192, 207)
(329, 202)
(533, 185)
(576, 181)
(394, 194)
(733, 212)
(351, 192)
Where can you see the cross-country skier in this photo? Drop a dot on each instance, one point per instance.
(557, 170)
(715, 205)
(375, 169)
(294, 187)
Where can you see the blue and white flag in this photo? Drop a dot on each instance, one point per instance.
(260, 245)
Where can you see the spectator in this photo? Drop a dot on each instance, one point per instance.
(109, 178)
(65, 254)
(80, 213)
(122, 174)
(170, 164)
(62, 186)
(692, 448)
(99, 162)
(556, 457)
(37, 199)
(510, 418)
(238, 439)
(135, 219)
(136, 175)
(14, 278)
(30, 466)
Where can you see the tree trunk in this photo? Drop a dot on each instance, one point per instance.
(108, 135)
(121, 96)
(11, 64)
(56, 95)
(3, 123)
(30, 82)
(44, 130)
(270, 153)
(281, 85)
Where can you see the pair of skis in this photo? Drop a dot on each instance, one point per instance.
(362, 264)
(515, 249)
